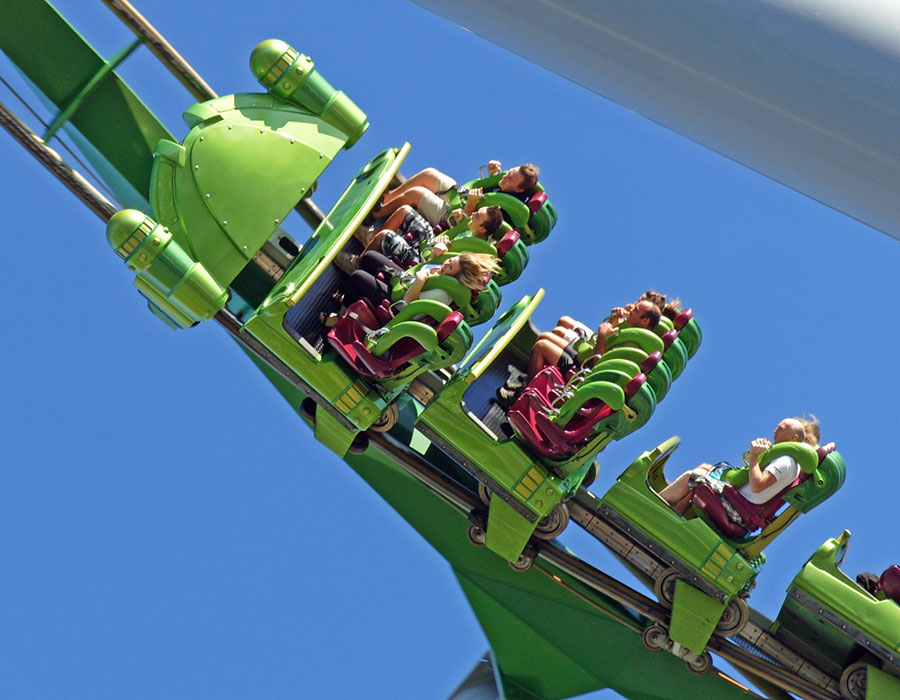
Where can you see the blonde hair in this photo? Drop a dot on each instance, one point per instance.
(812, 433)
(475, 270)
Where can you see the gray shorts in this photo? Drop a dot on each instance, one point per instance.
(433, 207)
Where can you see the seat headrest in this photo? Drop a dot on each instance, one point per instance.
(824, 450)
(448, 325)
(680, 321)
(634, 386)
(649, 364)
(536, 201)
(669, 338)
(505, 243)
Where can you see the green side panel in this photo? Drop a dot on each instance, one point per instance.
(694, 617)
(121, 130)
(507, 531)
(881, 685)
(247, 160)
(550, 639)
(332, 434)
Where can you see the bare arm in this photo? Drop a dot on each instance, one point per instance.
(760, 479)
(412, 293)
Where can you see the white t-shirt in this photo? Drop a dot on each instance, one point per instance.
(785, 469)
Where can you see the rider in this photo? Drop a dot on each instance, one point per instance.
(427, 191)
(762, 485)
(569, 343)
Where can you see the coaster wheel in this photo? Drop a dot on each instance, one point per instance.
(553, 525)
(484, 493)
(655, 638)
(853, 681)
(591, 475)
(386, 420)
(359, 445)
(308, 409)
(476, 535)
(701, 664)
(523, 563)
(664, 587)
(735, 617)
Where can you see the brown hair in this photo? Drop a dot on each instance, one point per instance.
(494, 219)
(529, 173)
(475, 269)
(656, 298)
(654, 314)
(673, 308)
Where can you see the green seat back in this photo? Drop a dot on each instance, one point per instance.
(660, 380)
(541, 223)
(483, 306)
(676, 357)
(664, 326)
(825, 480)
(691, 336)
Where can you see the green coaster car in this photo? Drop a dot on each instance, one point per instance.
(702, 574)
(219, 198)
(844, 629)
(525, 489)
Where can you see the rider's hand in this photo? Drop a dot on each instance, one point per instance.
(758, 446)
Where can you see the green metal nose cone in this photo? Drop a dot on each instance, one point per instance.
(266, 55)
(122, 224)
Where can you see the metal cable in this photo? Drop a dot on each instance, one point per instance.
(62, 143)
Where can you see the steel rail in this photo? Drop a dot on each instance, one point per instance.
(50, 159)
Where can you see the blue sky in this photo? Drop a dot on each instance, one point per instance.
(170, 529)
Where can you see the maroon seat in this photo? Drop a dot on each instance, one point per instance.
(348, 338)
(530, 419)
(681, 320)
(668, 338)
(708, 501)
(824, 450)
(650, 362)
(757, 516)
(506, 242)
(536, 201)
(890, 582)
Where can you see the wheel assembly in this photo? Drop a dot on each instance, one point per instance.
(553, 525)
(484, 493)
(476, 535)
(386, 420)
(853, 681)
(735, 617)
(701, 664)
(308, 409)
(664, 587)
(523, 563)
(655, 638)
(359, 445)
